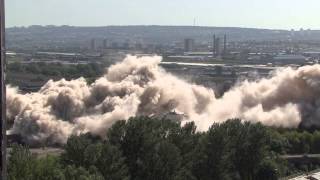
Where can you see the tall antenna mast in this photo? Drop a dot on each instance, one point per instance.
(3, 139)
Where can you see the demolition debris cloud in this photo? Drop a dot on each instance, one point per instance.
(138, 86)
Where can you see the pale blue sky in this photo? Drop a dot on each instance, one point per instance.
(280, 14)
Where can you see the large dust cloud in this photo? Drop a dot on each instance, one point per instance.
(139, 86)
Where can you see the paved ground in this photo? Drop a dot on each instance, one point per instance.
(309, 176)
(300, 156)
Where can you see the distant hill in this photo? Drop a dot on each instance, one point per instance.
(81, 36)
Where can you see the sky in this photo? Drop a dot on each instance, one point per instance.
(271, 14)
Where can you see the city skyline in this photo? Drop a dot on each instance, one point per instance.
(272, 14)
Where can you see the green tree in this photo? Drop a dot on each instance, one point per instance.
(163, 162)
(48, 168)
(79, 173)
(116, 133)
(248, 146)
(141, 140)
(316, 142)
(75, 150)
(21, 164)
(211, 159)
(267, 171)
(111, 163)
(88, 152)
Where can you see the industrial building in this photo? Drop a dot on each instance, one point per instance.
(216, 46)
(188, 45)
(289, 59)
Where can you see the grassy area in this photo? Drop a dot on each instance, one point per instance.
(37, 74)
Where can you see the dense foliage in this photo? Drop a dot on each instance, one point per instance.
(152, 149)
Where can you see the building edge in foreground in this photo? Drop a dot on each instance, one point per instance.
(3, 167)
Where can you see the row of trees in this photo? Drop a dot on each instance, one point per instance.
(301, 142)
(58, 69)
(145, 148)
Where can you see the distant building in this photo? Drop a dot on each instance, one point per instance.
(126, 44)
(225, 44)
(196, 53)
(93, 44)
(217, 46)
(289, 59)
(188, 45)
(214, 45)
(105, 44)
(313, 54)
(138, 46)
(114, 45)
(292, 32)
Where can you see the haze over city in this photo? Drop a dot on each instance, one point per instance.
(271, 14)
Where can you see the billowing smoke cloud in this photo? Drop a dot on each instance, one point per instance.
(138, 86)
